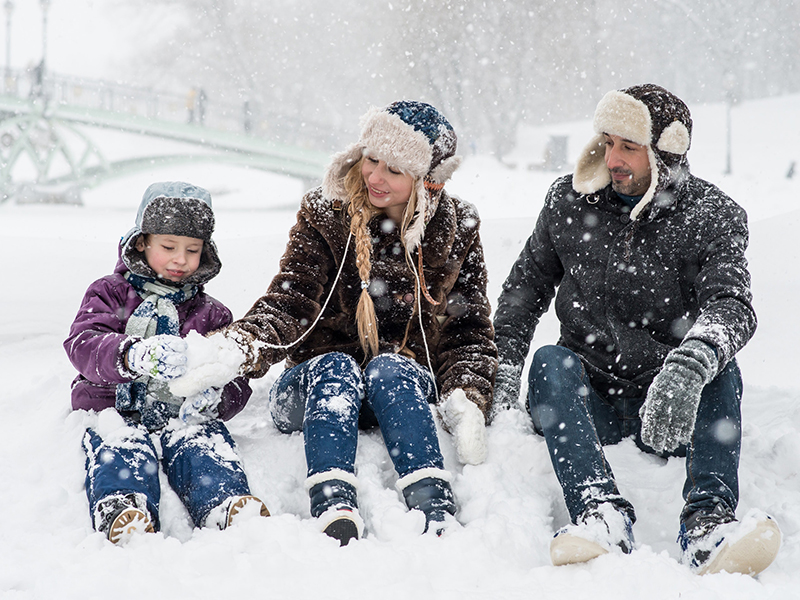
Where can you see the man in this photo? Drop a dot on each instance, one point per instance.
(653, 297)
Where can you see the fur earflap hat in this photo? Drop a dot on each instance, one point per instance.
(174, 208)
(647, 115)
(408, 135)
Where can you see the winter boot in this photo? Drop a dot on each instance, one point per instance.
(122, 516)
(715, 541)
(429, 490)
(234, 510)
(599, 530)
(334, 504)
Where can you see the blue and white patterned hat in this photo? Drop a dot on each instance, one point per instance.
(413, 137)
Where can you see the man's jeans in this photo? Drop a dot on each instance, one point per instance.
(325, 395)
(577, 422)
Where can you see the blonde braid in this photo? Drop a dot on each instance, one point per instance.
(361, 211)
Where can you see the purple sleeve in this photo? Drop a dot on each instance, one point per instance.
(234, 398)
(97, 343)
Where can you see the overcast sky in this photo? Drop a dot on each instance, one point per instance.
(84, 37)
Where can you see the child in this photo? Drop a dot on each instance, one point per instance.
(126, 343)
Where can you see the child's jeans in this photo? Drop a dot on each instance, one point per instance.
(325, 395)
(200, 462)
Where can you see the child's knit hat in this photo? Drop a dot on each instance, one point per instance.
(408, 135)
(647, 115)
(174, 208)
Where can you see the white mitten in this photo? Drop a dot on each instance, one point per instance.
(200, 407)
(212, 362)
(161, 357)
(465, 421)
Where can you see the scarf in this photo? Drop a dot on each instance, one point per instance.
(157, 314)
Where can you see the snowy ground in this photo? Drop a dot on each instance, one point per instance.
(509, 506)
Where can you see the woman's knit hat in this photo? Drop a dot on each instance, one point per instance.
(647, 115)
(174, 208)
(408, 135)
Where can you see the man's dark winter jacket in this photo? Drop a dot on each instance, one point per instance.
(629, 291)
(458, 331)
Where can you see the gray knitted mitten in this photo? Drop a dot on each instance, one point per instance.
(506, 387)
(670, 409)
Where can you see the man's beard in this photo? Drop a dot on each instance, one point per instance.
(631, 186)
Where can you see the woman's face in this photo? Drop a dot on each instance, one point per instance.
(388, 188)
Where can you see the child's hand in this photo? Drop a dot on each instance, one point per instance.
(200, 407)
(161, 357)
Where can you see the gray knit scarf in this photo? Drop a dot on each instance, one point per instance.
(146, 399)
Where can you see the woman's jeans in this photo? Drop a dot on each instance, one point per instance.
(200, 462)
(577, 422)
(328, 397)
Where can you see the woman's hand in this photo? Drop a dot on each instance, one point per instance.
(466, 423)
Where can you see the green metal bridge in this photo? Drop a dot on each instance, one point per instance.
(46, 143)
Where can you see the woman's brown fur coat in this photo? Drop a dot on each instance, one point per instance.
(458, 330)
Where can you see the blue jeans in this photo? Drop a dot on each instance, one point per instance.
(577, 422)
(328, 397)
(200, 462)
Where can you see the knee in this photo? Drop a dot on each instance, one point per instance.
(335, 367)
(720, 407)
(388, 369)
(287, 403)
(335, 385)
(385, 366)
(552, 366)
(392, 371)
(176, 439)
(388, 374)
(728, 384)
(555, 381)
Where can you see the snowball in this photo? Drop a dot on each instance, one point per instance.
(212, 361)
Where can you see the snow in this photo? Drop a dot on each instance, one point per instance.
(509, 506)
(211, 361)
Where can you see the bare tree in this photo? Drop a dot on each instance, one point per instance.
(307, 69)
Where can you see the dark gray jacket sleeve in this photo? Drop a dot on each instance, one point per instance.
(527, 293)
(727, 319)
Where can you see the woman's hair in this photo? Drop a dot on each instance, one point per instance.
(361, 211)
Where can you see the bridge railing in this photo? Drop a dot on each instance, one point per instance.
(193, 107)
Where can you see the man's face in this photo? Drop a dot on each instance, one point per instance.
(628, 165)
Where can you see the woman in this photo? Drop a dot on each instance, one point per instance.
(379, 309)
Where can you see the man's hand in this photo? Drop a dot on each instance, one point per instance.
(670, 409)
(506, 387)
(161, 357)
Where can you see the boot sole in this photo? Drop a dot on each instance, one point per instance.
(343, 529)
(567, 549)
(129, 522)
(236, 507)
(749, 555)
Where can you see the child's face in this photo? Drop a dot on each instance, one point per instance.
(172, 257)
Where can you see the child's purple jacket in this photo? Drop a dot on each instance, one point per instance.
(97, 342)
